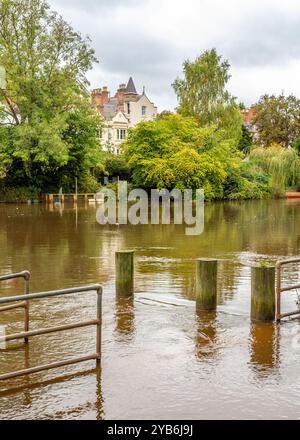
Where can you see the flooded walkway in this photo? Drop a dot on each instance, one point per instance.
(161, 360)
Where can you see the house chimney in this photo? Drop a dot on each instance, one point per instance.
(100, 97)
(120, 96)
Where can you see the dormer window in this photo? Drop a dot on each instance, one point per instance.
(144, 110)
(121, 134)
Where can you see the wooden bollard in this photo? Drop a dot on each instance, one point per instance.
(262, 292)
(124, 273)
(206, 284)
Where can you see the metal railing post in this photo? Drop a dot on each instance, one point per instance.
(23, 301)
(26, 306)
(99, 326)
(278, 291)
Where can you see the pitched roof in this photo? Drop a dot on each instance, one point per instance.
(110, 109)
(131, 87)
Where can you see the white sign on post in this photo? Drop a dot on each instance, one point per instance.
(2, 78)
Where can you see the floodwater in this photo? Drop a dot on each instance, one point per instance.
(160, 359)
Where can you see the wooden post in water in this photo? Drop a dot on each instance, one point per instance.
(124, 261)
(262, 292)
(206, 283)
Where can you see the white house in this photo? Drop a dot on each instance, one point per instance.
(121, 112)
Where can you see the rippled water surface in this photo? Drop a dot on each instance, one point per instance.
(160, 358)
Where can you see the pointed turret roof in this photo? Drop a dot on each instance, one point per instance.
(131, 87)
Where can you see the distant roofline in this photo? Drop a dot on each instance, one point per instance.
(130, 89)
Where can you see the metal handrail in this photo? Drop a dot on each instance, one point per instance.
(280, 289)
(25, 274)
(26, 334)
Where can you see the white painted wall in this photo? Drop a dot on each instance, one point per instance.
(136, 114)
(109, 139)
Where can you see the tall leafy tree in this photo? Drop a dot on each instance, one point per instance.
(46, 62)
(246, 141)
(277, 120)
(202, 92)
(175, 151)
(282, 164)
(297, 145)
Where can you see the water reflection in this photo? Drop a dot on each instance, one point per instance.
(206, 337)
(264, 348)
(125, 315)
(99, 404)
(66, 247)
(30, 390)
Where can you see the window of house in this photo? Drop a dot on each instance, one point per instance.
(144, 109)
(128, 107)
(121, 134)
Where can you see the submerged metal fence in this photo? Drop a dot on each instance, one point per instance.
(23, 301)
(280, 289)
(24, 304)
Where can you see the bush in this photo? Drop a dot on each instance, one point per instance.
(19, 194)
(282, 165)
(116, 166)
(246, 182)
(176, 152)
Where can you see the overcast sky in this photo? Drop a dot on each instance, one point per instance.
(149, 39)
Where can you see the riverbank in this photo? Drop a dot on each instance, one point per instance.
(28, 195)
(18, 195)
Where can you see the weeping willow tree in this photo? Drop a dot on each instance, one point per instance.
(281, 164)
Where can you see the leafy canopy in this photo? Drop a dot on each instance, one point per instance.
(282, 164)
(277, 120)
(202, 93)
(46, 63)
(176, 152)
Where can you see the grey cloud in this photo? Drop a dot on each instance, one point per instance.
(262, 39)
(258, 36)
(94, 5)
(138, 52)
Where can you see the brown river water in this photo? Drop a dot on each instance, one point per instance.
(160, 359)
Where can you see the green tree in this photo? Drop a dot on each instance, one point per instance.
(176, 152)
(46, 62)
(297, 145)
(281, 164)
(277, 120)
(82, 138)
(245, 142)
(116, 166)
(6, 150)
(202, 93)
